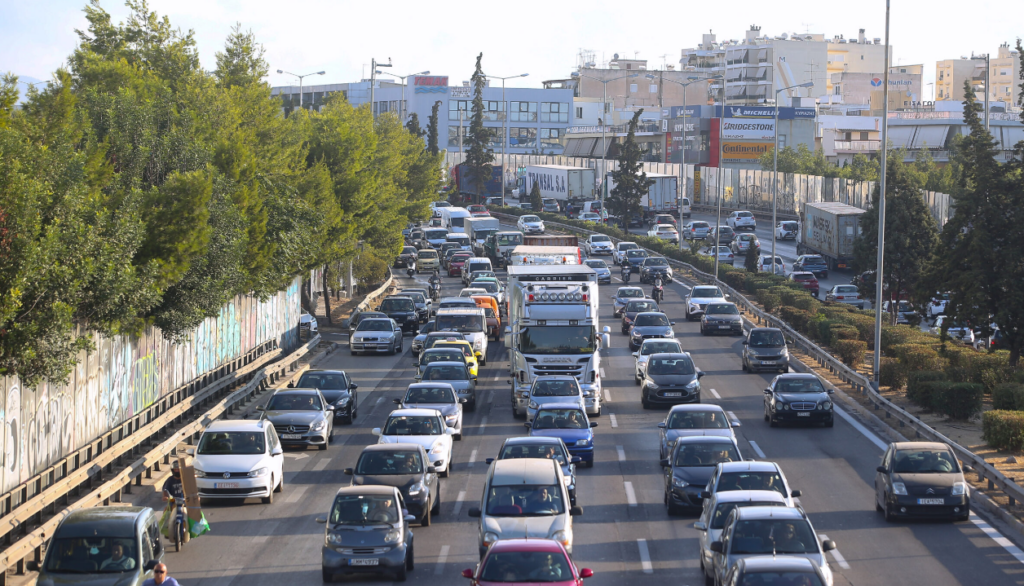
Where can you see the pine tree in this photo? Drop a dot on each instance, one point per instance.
(631, 182)
(750, 262)
(535, 199)
(242, 61)
(432, 129)
(413, 126)
(478, 156)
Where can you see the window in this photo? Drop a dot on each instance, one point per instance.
(654, 88)
(493, 111)
(455, 106)
(554, 112)
(522, 111)
(495, 136)
(782, 141)
(453, 135)
(522, 137)
(632, 88)
(579, 113)
(550, 137)
(861, 57)
(863, 136)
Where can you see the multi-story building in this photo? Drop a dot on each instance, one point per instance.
(865, 89)
(1004, 76)
(631, 85)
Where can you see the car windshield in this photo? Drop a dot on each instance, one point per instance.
(705, 292)
(436, 355)
(441, 337)
(670, 366)
(509, 239)
(639, 306)
(814, 260)
(655, 261)
(601, 238)
(427, 255)
(524, 501)
(489, 286)
(439, 234)
(457, 221)
(427, 327)
(766, 339)
(92, 555)
(748, 480)
(560, 419)
(232, 442)
(705, 454)
(651, 320)
(630, 293)
(526, 566)
(531, 219)
(459, 238)
(557, 340)
(442, 204)
(460, 323)
(697, 420)
(634, 253)
(445, 372)
(408, 250)
(459, 258)
(773, 537)
(722, 511)
(333, 381)
(552, 451)
(415, 296)
(923, 461)
(295, 402)
(471, 292)
(350, 509)
(375, 325)
(397, 462)
(798, 385)
(555, 388)
(412, 425)
(723, 309)
(477, 208)
(659, 347)
(397, 305)
(596, 264)
(770, 578)
(430, 395)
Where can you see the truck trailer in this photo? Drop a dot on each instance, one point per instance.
(829, 229)
(558, 182)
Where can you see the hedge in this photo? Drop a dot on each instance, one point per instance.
(1008, 396)
(843, 332)
(1003, 430)
(918, 356)
(892, 374)
(916, 382)
(768, 300)
(960, 401)
(807, 303)
(851, 351)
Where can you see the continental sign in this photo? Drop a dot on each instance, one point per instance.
(745, 150)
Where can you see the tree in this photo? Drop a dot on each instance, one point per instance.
(750, 262)
(631, 182)
(242, 61)
(535, 200)
(413, 126)
(432, 129)
(478, 156)
(8, 97)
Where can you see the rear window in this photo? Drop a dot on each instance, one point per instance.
(699, 225)
(744, 215)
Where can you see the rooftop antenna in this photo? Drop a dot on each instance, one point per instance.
(807, 27)
(664, 61)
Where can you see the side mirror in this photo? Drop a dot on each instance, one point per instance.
(528, 425)
(467, 573)
(828, 545)
(508, 329)
(397, 401)
(449, 431)
(576, 511)
(349, 471)
(968, 468)
(474, 512)
(829, 391)
(409, 519)
(190, 451)
(330, 407)
(664, 462)
(353, 386)
(700, 375)
(716, 546)
(463, 400)
(606, 330)
(705, 494)
(322, 519)
(375, 431)
(662, 425)
(575, 460)
(700, 526)
(795, 493)
(33, 566)
(768, 391)
(882, 469)
(277, 451)
(415, 363)
(586, 573)
(418, 376)
(488, 460)
(261, 408)
(671, 323)
(593, 424)
(431, 469)
(635, 354)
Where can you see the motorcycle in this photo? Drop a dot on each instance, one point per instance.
(658, 293)
(435, 290)
(411, 270)
(625, 273)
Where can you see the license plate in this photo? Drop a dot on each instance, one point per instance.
(805, 414)
(931, 501)
(291, 436)
(225, 485)
(767, 362)
(724, 327)
(673, 394)
(363, 562)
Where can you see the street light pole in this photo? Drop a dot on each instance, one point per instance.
(877, 361)
(300, 80)
(604, 123)
(721, 164)
(401, 111)
(775, 166)
(373, 81)
(504, 128)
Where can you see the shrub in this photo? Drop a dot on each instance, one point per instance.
(843, 332)
(894, 335)
(734, 279)
(851, 351)
(960, 401)
(925, 393)
(768, 300)
(790, 295)
(916, 380)
(369, 270)
(918, 356)
(892, 373)
(1003, 430)
(865, 325)
(839, 313)
(1008, 396)
(808, 303)
(797, 318)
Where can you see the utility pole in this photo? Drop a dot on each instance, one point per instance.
(881, 210)
(988, 74)
(373, 81)
(721, 164)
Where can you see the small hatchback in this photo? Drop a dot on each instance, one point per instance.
(237, 459)
(568, 422)
(765, 349)
(527, 561)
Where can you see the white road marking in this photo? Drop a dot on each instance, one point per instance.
(645, 556)
(472, 458)
(296, 456)
(611, 416)
(630, 495)
(380, 400)
(602, 372)
(607, 396)
(756, 448)
(733, 419)
(266, 532)
(458, 502)
(321, 465)
(497, 375)
(835, 553)
(296, 494)
(715, 393)
(441, 559)
(863, 430)
(622, 453)
(998, 538)
(483, 423)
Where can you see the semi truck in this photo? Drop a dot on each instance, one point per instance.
(478, 228)
(554, 330)
(829, 229)
(466, 187)
(558, 182)
(499, 245)
(545, 255)
(550, 240)
(661, 198)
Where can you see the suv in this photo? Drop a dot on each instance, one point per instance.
(470, 322)
(598, 244)
(619, 254)
(239, 458)
(698, 298)
(722, 236)
(405, 466)
(742, 220)
(786, 230)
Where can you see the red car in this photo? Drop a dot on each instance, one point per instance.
(807, 279)
(527, 561)
(457, 261)
(478, 210)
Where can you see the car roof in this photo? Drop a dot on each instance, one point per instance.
(117, 521)
(297, 391)
(429, 385)
(746, 496)
(524, 471)
(749, 466)
(554, 377)
(700, 439)
(748, 513)
(531, 439)
(920, 446)
(651, 313)
(765, 330)
(399, 446)
(702, 407)
(783, 563)
(547, 406)
(236, 425)
(653, 341)
(441, 363)
(797, 376)
(373, 489)
(384, 318)
(528, 544)
(414, 412)
(324, 371)
(801, 273)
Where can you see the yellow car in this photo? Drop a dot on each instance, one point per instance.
(467, 348)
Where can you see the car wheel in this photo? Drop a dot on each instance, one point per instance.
(457, 437)
(483, 361)
(743, 364)
(425, 519)
(643, 401)
(269, 499)
(772, 422)
(890, 517)
(402, 574)
(280, 486)
(354, 353)
(322, 446)
(830, 423)
(702, 332)
(637, 380)
(448, 470)
(878, 507)
(766, 418)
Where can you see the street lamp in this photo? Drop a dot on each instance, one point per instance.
(877, 362)
(401, 112)
(373, 80)
(682, 154)
(504, 128)
(300, 80)
(775, 166)
(604, 116)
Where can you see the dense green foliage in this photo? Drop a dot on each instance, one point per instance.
(478, 155)
(631, 182)
(137, 188)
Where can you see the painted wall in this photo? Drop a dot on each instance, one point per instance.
(124, 376)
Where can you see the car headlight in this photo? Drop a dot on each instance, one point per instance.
(583, 442)
(343, 401)
(959, 489)
(825, 405)
(693, 384)
(319, 425)
(899, 488)
(679, 482)
(780, 406)
(416, 489)
(258, 472)
(561, 536)
(478, 344)
(652, 386)
(451, 417)
(393, 536)
(489, 538)
(199, 473)
(333, 539)
(534, 405)
(437, 449)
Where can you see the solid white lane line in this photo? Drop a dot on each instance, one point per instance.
(441, 559)
(296, 494)
(622, 453)
(472, 458)
(715, 393)
(321, 465)
(483, 423)
(835, 553)
(611, 416)
(645, 556)
(733, 419)
(863, 430)
(998, 538)
(630, 495)
(756, 448)
(458, 503)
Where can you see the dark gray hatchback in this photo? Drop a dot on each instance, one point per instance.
(670, 379)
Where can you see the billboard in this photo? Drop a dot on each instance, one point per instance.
(744, 151)
(766, 112)
(740, 129)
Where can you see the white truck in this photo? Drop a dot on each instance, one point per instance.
(478, 228)
(553, 330)
(559, 182)
(661, 198)
(545, 255)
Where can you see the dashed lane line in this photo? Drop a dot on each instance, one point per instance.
(835, 554)
(715, 393)
(733, 420)
(458, 503)
(615, 422)
(622, 453)
(321, 465)
(645, 556)
(296, 494)
(472, 458)
(483, 423)
(757, 449)
(630, 494)
(441, 559)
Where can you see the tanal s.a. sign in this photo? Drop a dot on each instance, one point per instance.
(430, 84)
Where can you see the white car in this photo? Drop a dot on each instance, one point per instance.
(590, 217)
(620, 251)
(764, 264)
(787, 230)
(664, 232)
(652, 346)
(439, 396)
(698, 299)
(724, 254)
(307, 322)
(239, 458)
(530, 224)
(471, 291)
(848, 294)
(717, 509)
(425, 427)
(596, 244)
(742, 220)
(937, 306)
(955, 331)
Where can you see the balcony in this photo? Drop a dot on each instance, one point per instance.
(858, 146)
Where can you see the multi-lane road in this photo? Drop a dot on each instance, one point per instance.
(625, 535)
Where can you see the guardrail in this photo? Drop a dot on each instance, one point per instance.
(371, 298)
(32, 544)
(904, 419)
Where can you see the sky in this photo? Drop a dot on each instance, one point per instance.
(541, 38)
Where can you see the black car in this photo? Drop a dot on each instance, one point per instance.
(689, 467)
(353, 322)
(797, 398)
(635, 221)
(336, 388)
(653, 267)
(670, 379)
(633, 307)
(811, 263)
(406, 258)
(408, 468)
(921, 479)
(415, 235)
(721, 318)
(402, 310)
(724, 236)
(635, 257)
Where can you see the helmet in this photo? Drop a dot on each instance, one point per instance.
(176, 468)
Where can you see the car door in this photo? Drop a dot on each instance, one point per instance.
(275, 451)
(719, 559)
(882, 478)
(431, 478)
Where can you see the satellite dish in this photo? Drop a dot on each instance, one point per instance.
(615, 56)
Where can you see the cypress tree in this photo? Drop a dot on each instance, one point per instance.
(432, 129)
(631, 182)
(478, 156)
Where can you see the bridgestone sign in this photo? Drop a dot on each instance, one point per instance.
(748, 129)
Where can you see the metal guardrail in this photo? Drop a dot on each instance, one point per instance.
(110, 491)
(904, 419)
(372, 297)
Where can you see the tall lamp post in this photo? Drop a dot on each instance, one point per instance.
(403, 78)
(721, 163)
(504, 128)
(373, 81)
(682, 153)
(604, 124)
(300, 80)
(877, 362)
(775, 166)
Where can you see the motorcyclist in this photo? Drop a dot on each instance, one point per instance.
(411, 270)
(435, 284)
(625, 271)
(658, 292)
(173, 490)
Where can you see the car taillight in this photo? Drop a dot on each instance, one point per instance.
(840, 297)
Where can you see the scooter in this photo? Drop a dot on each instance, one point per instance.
(411, 270)
(625, 273)
(435, 291)
(658, 293)
(179, 524)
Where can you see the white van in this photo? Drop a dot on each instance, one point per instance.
(470, 322)
(477, 263)
(461, 239)
(454, 219)
(507, 507)
(686, 207)
(591, 207)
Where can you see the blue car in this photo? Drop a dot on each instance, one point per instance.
(568, 422)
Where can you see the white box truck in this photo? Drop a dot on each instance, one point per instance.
(559, 182)
(661, 198)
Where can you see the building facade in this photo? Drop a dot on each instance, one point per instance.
(1004, 77)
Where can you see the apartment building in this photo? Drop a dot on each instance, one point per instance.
(1004, 75)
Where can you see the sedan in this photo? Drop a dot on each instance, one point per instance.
(721, 318)
(407, 467)
(812, 263)
(619, 254)
(417, 342)
(649, 324)
(456, 262)
(633, 308)
(742, 221)
(373, 515)
(765, 349)
(457, 375)
(478, 210)
(590, 217)
(402, 310)
(696, 230)
(649, 347)
(725, 254)
(954, 330)
(699, 297)
(693, 420)
(336, 388)
(635, 258)
(438, 396)
(721, 236)
(670, 379)
(807, 279)
(530, 224)
(376, 335)
(604, 274)
(358, 317)
(938, 305)
(845, 294)
(717, 510)
(552, 448)
(750, 475)
(689, 466)
(527, 561)
(425, 427)
(744, 242)
(654, 267)
(797, 398)
(771, 569)
(301, 417)
(623, 296)
(921, 479)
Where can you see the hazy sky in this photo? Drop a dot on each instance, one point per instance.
(541, 38)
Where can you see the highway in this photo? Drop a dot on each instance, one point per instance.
(625, 532)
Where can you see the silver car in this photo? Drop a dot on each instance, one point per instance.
(457, 375)
(301, 417)
(376, 335)
(652, 346)
(619, 254)
(439, 396)
(604, 274)
(553, 389)
(623, 296)
(697, 300)
(848, 294)
(696, 230)
(716, 510)
(765, 349)
(417, 342)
